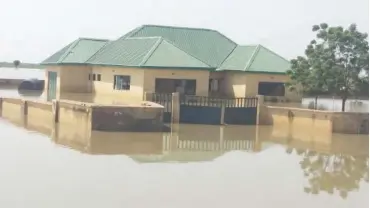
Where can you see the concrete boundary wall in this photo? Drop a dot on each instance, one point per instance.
(147, 116)
(316, 120)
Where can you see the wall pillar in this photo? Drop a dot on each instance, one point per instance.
(175, 111)
(55, 110)
(147, 96)
(222, 114)
(24, 112)
(24, 108)
(260, 100)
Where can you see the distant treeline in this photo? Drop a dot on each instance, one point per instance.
(22, 65)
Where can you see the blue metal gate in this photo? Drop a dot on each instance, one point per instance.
(200, 110)
(209, 110)
(242, 111)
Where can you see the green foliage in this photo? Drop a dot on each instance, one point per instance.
(336, 63)
(16, 63)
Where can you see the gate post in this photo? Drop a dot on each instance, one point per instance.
(222, 114)
(260, 102)
(55, 110)
(147, 96)
(175, 111)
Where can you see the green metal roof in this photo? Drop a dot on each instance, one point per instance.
(125, 52)
(209, 46)
(238, 59)
(145, 51)
(169, 55)
(177, 47)
(267, 61)
(79, 51)
(255, 58)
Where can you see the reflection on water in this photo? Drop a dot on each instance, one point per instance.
(192, 166)
(13, 92)
(332, 173)
(225, 162)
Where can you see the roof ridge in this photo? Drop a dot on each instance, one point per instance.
(273, 52)
(68, 51)
(131, 33)
(227, 38)
(94, 39)
(191, 28)
(170, 42)
(179, 27)
(151, 51)
(249, 45)
(250, 61)
(147, 37)
(232, 51)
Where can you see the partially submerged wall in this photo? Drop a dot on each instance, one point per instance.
(144, 118)
(313, 121)
(83, 116)
(302, 123)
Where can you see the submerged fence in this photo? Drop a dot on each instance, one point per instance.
(206, 110)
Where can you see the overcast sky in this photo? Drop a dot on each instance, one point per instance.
(31, 30)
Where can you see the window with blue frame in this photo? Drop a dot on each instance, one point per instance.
(121, 82)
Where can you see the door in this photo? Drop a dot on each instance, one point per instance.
(52, 85)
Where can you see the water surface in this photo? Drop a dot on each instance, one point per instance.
(21, 73)
(193, 166)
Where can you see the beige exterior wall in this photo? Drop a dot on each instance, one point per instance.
(105, 86)
(234, 84)
(238, 84)
(201, 77)
(252, 81)
(75, 79)
(70, 79)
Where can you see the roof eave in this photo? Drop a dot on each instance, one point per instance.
(131, 66)
(251, 72)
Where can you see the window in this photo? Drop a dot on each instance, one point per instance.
(94, 77)
(99, 77)
(271, 88)
(121, 82)
(90, 75)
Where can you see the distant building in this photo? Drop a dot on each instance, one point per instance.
(166, 59)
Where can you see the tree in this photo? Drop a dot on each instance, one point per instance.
(16, 63)
(336, 63)
(305, 79)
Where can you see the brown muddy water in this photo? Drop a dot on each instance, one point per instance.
(193, 166)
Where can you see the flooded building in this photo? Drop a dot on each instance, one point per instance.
(166, 59)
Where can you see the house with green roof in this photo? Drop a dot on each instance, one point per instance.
(166, 59)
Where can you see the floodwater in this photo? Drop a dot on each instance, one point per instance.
(21, 73)
(192, 166)
(43, 166)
